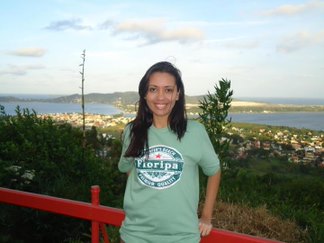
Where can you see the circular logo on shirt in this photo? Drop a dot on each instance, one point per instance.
(161, 168)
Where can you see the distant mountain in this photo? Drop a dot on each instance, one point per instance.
(111, 98)
(9, 99)
(125, 98)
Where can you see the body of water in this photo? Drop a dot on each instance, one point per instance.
(309, 120)
(52, 108)
(287, 101)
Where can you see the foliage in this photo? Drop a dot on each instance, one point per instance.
(288, 193)
(214, 114)
(40, 156)
(257, 221)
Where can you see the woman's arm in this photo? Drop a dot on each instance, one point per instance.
(205, 225)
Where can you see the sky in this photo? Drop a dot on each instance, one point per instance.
(265, 48)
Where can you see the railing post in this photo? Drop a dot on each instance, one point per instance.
(104, 233)
(95, 190)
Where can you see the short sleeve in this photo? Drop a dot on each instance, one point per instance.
(209, 161)
(125, 164)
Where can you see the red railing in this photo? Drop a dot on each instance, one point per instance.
(100, 215)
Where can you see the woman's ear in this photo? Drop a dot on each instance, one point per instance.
(177, 97)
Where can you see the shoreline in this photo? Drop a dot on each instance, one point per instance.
(237, 107)
(299, 119)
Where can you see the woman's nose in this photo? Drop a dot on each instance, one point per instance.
(161, 94)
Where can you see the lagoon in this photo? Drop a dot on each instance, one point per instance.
(54, 108)
(308, 120)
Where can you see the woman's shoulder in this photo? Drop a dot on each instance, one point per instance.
(128, 125)
(127, 129)
(194, 125)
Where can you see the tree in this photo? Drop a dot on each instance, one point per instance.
(40, 156)
(214, 116)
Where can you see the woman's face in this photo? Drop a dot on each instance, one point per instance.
(161, 95)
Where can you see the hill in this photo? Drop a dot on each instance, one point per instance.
(108, 98)
(126, 100)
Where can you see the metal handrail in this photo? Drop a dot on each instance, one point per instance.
(100, 215)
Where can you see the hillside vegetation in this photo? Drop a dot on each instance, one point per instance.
(261, 193)
(259, 196)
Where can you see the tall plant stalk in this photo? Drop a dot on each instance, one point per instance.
(82, 99)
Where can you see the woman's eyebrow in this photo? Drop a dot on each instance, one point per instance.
(166, 86)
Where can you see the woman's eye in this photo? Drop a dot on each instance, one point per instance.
(152, 89)
(169, 90)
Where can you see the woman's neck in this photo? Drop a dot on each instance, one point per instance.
(160, 123)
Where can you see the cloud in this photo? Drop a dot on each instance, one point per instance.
(72, 24)
(106, 25)
(293, 9)
(154, 31)
(28, 52)
(20, 70)
(299, 41)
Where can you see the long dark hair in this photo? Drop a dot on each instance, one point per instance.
(177, 120)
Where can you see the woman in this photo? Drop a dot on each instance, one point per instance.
(161, 154)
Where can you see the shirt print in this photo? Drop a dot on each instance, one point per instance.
(161, 168)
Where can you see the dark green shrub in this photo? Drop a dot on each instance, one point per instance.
(40, 156)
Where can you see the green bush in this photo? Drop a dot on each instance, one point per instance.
(37, 155)
(294, 196)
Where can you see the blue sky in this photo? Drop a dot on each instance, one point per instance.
(266, 48)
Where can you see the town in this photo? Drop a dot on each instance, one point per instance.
(299, 147)
(91, 120)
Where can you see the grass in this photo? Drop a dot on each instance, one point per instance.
(257, 222)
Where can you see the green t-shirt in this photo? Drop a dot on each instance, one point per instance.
(162, 192)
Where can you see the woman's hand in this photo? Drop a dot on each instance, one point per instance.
(205, 227)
